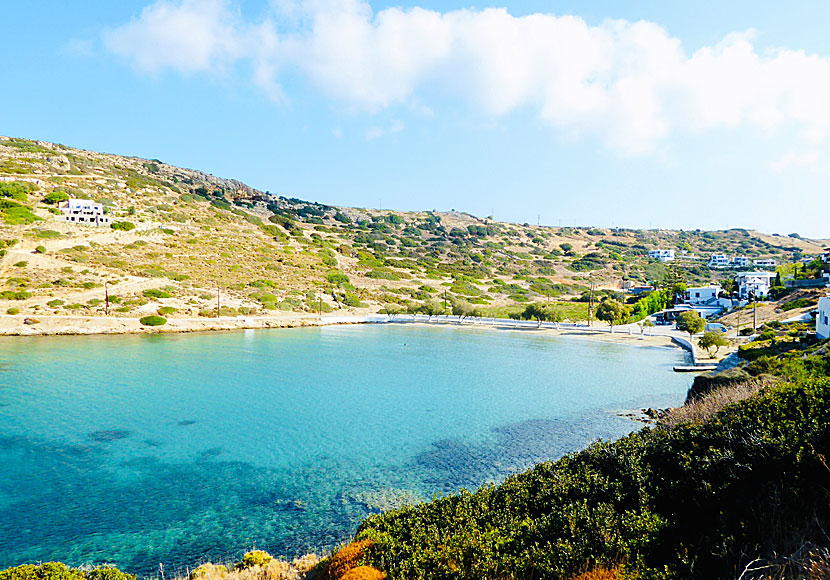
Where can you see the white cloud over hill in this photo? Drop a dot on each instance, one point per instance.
(629, 83)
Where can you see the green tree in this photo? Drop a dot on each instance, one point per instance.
(691, 322)
(463, 309)
(431, 308)
(711, 340)
(540, 313)
(612, 312)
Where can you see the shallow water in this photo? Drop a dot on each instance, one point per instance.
(137, 450)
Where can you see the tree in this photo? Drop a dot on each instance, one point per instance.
(392, 310)
(647, 323)
(711, 340)
(432, 308)
(463, 309)
(540, 313)
(612, 312)
(691, 322)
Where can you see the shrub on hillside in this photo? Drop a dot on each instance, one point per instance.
(156, 293)
(254, 558)
(60, 571)
(153, 320)
(55, 197)
(123, 226)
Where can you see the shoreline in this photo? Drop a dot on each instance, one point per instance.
(58, 325)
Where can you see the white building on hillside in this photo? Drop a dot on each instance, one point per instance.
(702, 295)
(755, 283)
(740, 262)
(766, 263)
(719, 261)
(662, 255)
(823, 318)
(84, 211)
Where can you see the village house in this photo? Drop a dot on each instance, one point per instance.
(755, 284)
(662, 255)
(702, 295)
(823, 318)
(719, 261)
(740, 262)
(84, 211)
(766, 263)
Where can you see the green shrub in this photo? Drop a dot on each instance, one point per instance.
(13, 311)
(797, 303)
(40, 249)
(60, 571)
(55, 197)
(57, 302)
(153, 320)
(16, 190)
(15, 295)
(15, 214)
(337, 278)
(165, 310)
(156, 293)
(255, 558)
(123, 226)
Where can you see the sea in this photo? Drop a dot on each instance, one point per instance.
(178, 449)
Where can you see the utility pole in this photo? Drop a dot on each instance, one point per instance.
(590, 304)
(445, 301)
(106, 299)
(754, 314)
(320, 305)
(218, 310)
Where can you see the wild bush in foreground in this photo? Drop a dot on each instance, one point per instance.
(60, 571)
(153, 320)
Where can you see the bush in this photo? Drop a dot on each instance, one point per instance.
(12, 311)
(123, 226)
(797, 303)
(60, 571)
(255, 558)
(153, 320)
(16, 190)
(156, 293)
(165, 310)
(40, 249)
(337, 278)
(55, 197)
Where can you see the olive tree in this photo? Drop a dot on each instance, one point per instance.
(612, 312)
(691, 322)
(711, 340)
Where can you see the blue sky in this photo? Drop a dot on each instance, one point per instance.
(639, 114)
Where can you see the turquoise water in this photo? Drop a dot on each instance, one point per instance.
(136, 450)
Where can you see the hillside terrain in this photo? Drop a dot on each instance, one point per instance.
(181, 236)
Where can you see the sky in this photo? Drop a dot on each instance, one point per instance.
(639, 114)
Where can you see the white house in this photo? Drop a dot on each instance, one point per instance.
(84, 211)
(755, 283)
(719, 261)
(740, 262)
(662, 255)
(702, 295)
(766, 263)
(823, 318)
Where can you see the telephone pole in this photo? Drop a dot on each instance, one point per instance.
(218, 310)
(106, 299)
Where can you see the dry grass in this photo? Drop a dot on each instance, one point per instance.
(600, 574)
(303, 568)
(700, 410)
(344, 564)
(810, 562)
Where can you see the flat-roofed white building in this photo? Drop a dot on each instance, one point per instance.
(719, 261)
(754, 283)
(85, 212)
(702, 295)
(662, 255)
(766, 263)
(823, 318)
(740, 262)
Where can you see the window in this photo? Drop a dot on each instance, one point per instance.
(825, 319)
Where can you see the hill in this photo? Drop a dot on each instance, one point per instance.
(184, 235)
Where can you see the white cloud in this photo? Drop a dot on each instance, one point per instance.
(629, 83)
(188, 36)
(809, 160)
(376, 132)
